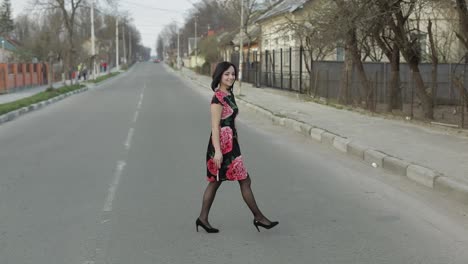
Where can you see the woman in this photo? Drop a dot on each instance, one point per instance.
(223, 157)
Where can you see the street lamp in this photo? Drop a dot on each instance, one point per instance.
(49, 72)
(178, 48)
(93, 45)
(241, 46)
(3, 49)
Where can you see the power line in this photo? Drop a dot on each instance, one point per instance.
(154, 8)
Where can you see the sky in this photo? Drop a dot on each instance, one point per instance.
(149, 16)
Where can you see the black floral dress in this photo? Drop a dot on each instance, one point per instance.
(232, 167)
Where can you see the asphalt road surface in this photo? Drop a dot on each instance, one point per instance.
(116, 175)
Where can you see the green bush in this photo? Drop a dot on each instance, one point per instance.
(104, 77)
(42, 96)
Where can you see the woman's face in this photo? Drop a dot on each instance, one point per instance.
(228, 77)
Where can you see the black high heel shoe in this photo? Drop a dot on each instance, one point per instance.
(258, 223)
(207, 229)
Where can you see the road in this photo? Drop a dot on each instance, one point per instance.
(116, 174)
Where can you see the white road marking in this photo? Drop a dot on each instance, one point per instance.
(113, 187)
(135, 117)
(128, 142)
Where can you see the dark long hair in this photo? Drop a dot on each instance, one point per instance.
(218, 73)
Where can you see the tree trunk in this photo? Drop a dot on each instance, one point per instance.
(72, 55)
(435, 62)
(343, 97)
(365, 84)
(395, 101)
(426, 100)
(309, 63)
(463, 20)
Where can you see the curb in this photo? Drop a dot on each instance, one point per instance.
(419, 174)
(22, 111)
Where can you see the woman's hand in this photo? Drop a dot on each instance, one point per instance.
(218, 159)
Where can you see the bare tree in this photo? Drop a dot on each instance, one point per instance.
(462, 33)
(169, 36)
(385, 40)
(69, 9)
(40, 35)
(353, 26)
(314, 35)
(408, 43)
(251, 12)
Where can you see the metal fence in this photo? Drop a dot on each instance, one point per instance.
(286, 69)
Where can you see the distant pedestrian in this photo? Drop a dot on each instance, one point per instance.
(223, 157)
(44, 73)
(85, 72)
(80, 66)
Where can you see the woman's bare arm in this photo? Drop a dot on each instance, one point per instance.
(216, 111)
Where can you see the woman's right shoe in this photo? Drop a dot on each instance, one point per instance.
(207, 229)
(258, 223)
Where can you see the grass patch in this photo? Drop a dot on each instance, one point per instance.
(104, 77)
(42, 96)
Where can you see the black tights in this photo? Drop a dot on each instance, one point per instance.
(247, 194)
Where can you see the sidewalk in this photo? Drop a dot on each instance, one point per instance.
(27, 92)
(399, 143)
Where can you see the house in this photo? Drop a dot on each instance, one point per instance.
(250, 42)
(226, 45)
(276, 35)
(7, 49)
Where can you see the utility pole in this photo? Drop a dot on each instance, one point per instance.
(130, 45)
(123, 41)
(93, 45)
(178, 48)
(3, 51)
(117, 42)
(241, 46)
(196, 52)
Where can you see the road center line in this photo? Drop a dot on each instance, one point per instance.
(128, 142)
(113, 187)
(135, 117)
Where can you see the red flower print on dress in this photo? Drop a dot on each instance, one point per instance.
(212, 168)
(210, 178)
(225, 139)
(236, 170)
(227, 111)
(220, 95)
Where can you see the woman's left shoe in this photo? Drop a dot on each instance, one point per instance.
(258, 223)
(207, 229)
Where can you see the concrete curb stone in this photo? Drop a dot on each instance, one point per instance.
(341, 144)
(453, 188)
(422, 175)
(316, 133)
(419, 174)
(357, 149)
(24, 110)
(396, 165)
(328, 138)
(374, 156)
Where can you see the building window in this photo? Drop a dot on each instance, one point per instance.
(340, 54)
(422, 39)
